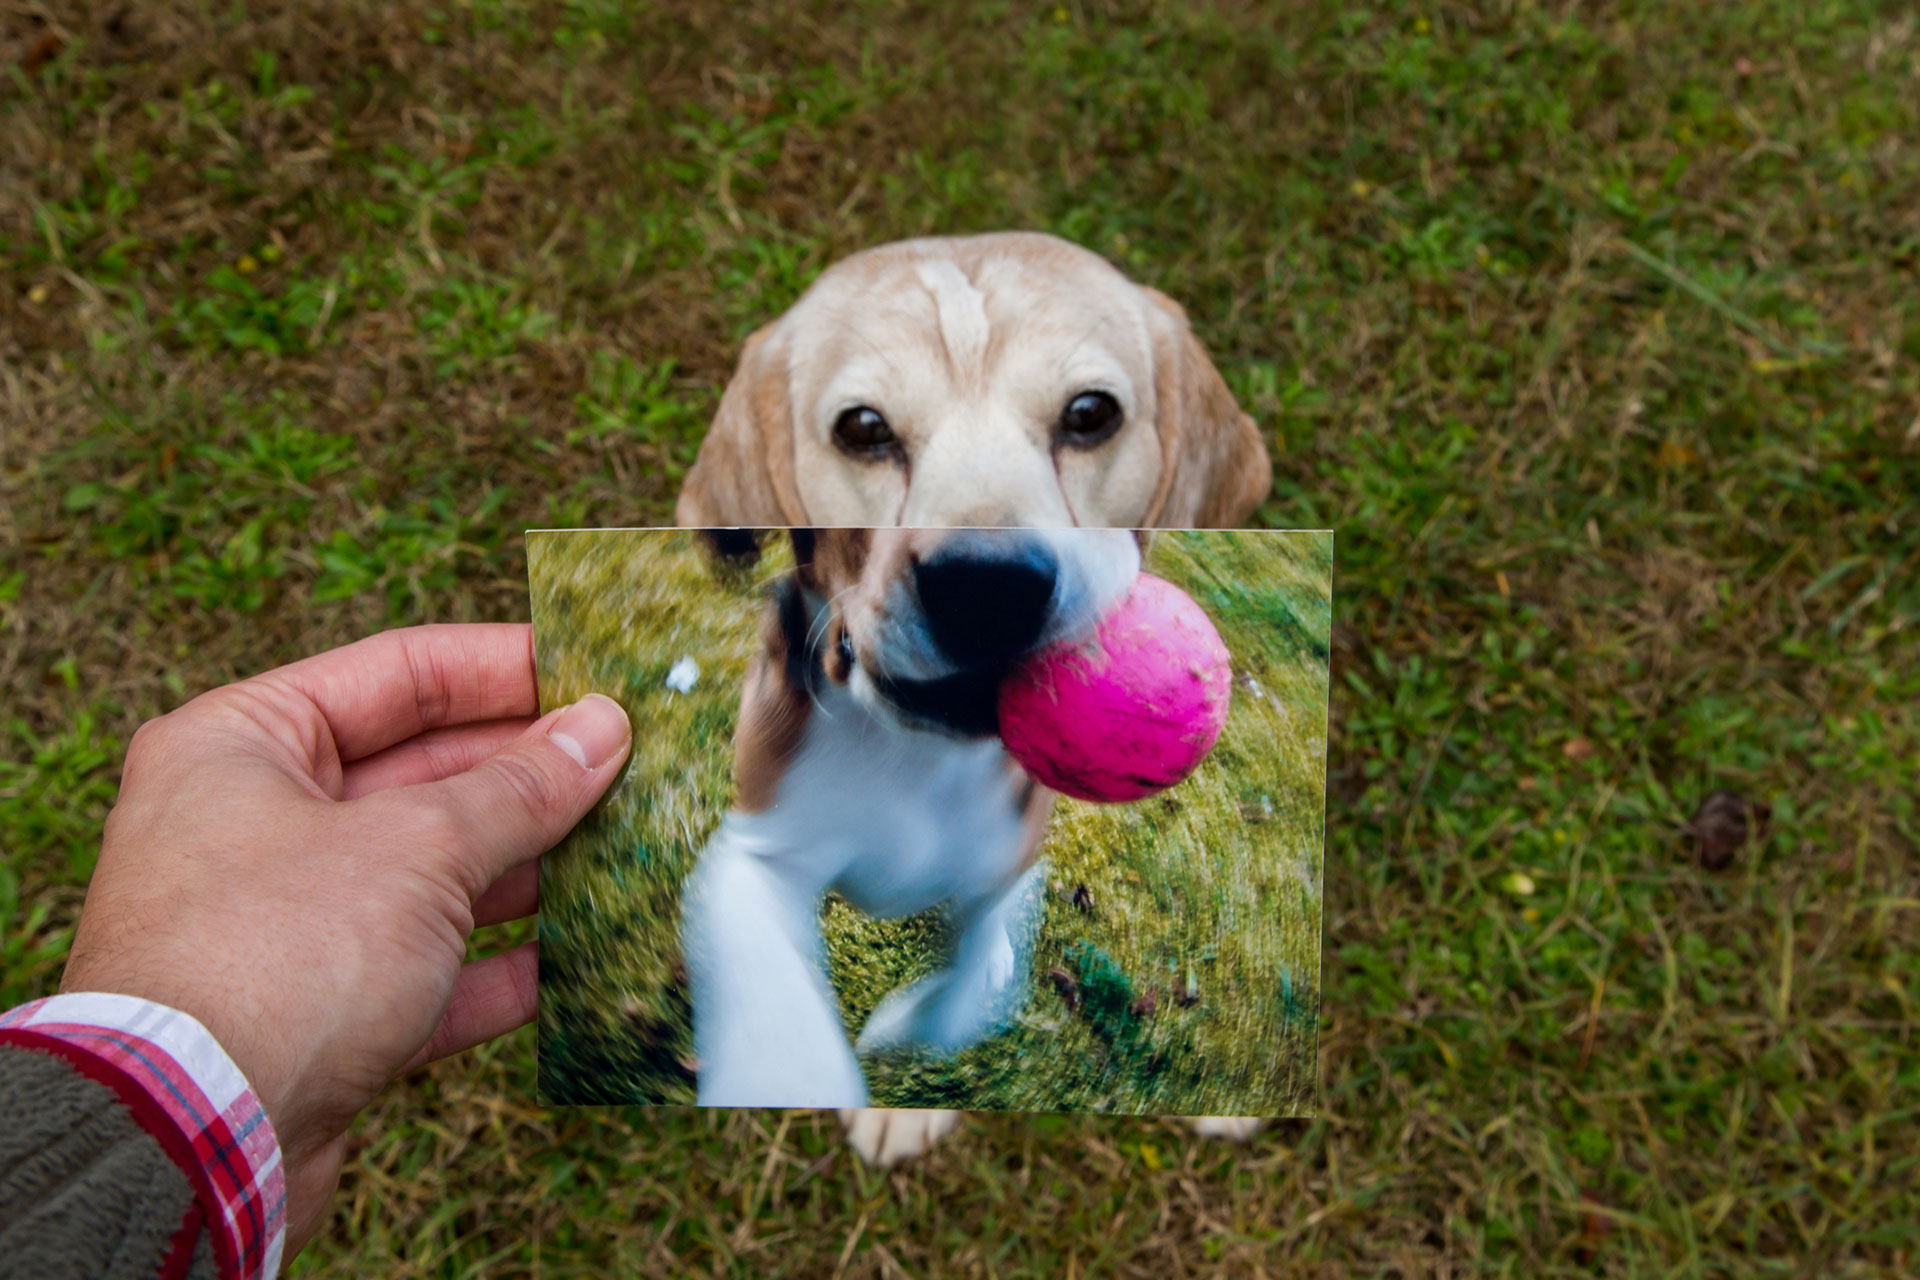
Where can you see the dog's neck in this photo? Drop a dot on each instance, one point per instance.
(897, 818)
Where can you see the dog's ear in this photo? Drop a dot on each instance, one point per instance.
(803, 543)
(740, 548)
(1215, 469)
(733, 546)
(744, 472)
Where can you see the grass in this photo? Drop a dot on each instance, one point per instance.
(1217, 883)
(1592, 328)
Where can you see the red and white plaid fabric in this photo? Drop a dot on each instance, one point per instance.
(185, 1091)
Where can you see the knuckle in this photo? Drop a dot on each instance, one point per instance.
(155, 745)
(534, 787)
(433, 681)
(150, 739)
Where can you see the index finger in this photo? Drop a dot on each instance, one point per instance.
(388, 687)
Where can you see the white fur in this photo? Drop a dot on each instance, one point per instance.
(1232, 1128)
(959, 309)
(886, 1137)
(896, 820)
(970, 349)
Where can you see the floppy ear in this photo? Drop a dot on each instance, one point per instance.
(803, 544)
(774, 704)
(1215, 469)
(744, 473)
(733, 546)
(739, 548)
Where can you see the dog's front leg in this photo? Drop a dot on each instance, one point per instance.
(766, 1026)
(983, 985)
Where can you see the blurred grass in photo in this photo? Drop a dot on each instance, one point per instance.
(1189, 922)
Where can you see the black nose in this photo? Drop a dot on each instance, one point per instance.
(986, 598)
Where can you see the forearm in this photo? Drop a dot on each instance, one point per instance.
(130, 1147)
(84, 1190)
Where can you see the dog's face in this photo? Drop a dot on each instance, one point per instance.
(922, 625)
(1009, 379)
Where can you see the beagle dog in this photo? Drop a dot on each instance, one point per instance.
(1010, 379)
(866, 763)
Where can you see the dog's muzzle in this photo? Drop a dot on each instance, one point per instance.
(987, 598)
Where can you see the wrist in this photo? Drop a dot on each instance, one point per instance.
(183, 1089)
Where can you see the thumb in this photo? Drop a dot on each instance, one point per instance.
(517, 803)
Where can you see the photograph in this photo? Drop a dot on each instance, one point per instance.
(995, 819)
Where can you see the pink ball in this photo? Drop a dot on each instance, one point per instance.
(1130, 711)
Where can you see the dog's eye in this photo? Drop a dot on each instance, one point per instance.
(845, 648)
(1089, 418)
(863, 430)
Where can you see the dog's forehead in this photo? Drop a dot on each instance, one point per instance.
(976, 311)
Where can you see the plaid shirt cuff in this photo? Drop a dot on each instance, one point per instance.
(186, 1092)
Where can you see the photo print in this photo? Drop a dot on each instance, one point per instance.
(984, 819)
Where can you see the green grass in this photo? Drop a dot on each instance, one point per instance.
(1217, 882)
(1593, 329)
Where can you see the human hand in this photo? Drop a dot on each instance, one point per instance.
(297, 860)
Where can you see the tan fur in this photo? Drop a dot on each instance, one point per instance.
(744, 473)
(773, 707)
(970, 347)
(840, 558)
(1215, 470)
(773, 718)
(853, 568)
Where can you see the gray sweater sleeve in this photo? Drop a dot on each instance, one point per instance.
(85, 1192)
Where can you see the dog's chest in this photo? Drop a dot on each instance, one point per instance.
(898, 821)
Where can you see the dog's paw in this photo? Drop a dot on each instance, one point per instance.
(1232, 1128)
(905, 1018)
(885, 1137)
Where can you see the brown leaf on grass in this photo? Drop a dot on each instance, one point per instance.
(1083, 898)
(1064, 983)
(1578, 749)
(1724, 823)
(44, 50)
(1189, 994)
(1146, 1004)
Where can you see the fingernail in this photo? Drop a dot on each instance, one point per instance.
(592, 730)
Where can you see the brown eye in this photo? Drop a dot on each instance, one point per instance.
(838, 661)
(1089, 418)
(863, 430)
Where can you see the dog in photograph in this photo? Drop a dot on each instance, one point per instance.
(1008, 380)
(866, 764)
